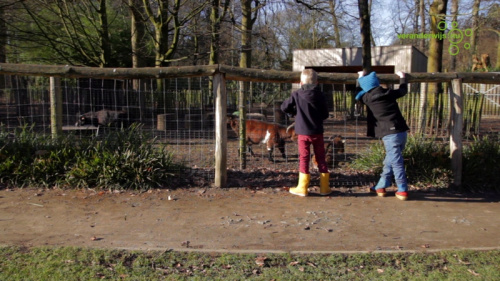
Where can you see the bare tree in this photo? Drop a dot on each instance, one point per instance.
(437, 13)
(3, 44)
(475, 26)
(421, 10)
(103, 32)
(406, 19)
(454, 14)
(249, 12)
(3, 36)
(333, 5)
(215, 19)
(364, 21)
(137, 31)
(64, 31)
(167, 21)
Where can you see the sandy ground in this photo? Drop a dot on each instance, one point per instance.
(247, 220)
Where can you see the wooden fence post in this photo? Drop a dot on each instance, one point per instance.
(55, 107)
(220, 130)
(242, 101)
(456, 128)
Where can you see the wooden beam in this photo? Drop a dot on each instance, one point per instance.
(107, 73)
(232, 73)
(259, 75)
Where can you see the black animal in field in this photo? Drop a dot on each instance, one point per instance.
(104, 117)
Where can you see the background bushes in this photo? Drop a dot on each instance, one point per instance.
(129, 159)
(428, 163)
(120, 159)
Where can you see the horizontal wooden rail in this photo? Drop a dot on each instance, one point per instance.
(107, 73)
(231, 73)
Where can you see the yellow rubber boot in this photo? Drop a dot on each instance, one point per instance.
(324, 184)
(301, 189)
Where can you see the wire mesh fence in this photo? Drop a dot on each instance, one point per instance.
(179, 113)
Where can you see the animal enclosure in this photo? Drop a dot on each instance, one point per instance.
(178, 107)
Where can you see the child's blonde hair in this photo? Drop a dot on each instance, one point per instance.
(308, 76)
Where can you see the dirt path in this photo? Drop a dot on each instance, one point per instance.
(241, 219)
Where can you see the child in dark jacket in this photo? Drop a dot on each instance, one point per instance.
(308, 105)
(385, 121)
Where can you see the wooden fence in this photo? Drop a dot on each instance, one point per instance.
(222, 73)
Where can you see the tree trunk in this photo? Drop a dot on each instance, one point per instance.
(246, 34)
(422, 24)
(215, 28)
(104, 36)
(214, 42)
(3, 45)
(249, 16)
(215, 21)
(137, 31)
(437, 13)
(364, 18)
(454, 12)
(3, 36)
(245, 62)
(415, 22)
(165, 14)
(335, 22)
(137, 40)
(497, 64)
(372, 40)
(475, 27)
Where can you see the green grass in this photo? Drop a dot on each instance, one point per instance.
(69, 263)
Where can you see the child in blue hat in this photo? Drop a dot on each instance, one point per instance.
(384, 120)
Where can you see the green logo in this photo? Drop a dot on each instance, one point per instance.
(455, 36)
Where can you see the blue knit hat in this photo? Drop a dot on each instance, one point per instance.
(367, 83)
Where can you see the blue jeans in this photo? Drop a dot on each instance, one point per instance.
(393, 163)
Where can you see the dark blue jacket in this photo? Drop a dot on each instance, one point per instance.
(383, 115)
(308, 105)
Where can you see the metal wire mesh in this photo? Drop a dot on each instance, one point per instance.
(179, 113)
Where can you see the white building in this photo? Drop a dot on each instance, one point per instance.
(385, 59)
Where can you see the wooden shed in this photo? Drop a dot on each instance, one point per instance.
(387, 59)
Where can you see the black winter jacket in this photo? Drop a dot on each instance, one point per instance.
(383, 115)
(308, 105)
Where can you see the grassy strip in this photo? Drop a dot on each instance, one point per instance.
(68, 263)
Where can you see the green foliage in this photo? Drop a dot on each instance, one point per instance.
(122, 159)
(68, 34)
(481, 165)
(70, 263)
(427, 161)
(371, 159)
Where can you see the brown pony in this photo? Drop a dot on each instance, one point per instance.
(333, 149)
(262, 132)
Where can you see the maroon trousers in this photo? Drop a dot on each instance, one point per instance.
(318, 143)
